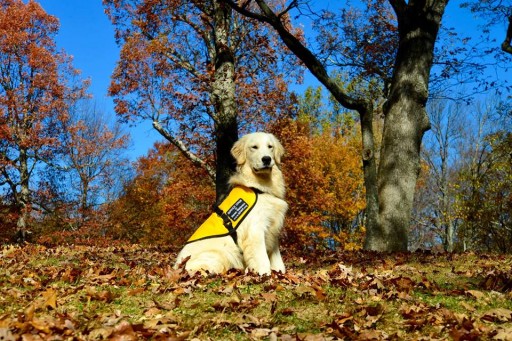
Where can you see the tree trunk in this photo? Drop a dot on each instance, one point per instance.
(370, 177)
(445, 209)
(405, 122)
(223, 95)
(84, 202)
(24, 197)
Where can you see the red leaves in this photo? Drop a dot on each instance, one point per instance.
(34, 101)
(497, 280)
(165, 202)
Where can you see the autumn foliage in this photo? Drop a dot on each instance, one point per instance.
(165, 202)
(324, 186)
(32, 98)
(170, 197)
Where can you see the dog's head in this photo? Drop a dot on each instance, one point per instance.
(260, 151)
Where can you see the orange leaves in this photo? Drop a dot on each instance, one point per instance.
(165, 202)
(34, 100)
(50, 299)
(170, 69)
(325, 185)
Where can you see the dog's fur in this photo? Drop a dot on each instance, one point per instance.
(258, 234)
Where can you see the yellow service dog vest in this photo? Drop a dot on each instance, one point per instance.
(228, 215)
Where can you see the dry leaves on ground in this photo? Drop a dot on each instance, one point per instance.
(133, 293)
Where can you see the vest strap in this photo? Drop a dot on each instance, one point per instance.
(227, 222)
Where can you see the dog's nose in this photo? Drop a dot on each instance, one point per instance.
(266, 160)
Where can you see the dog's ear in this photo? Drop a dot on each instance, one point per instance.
(238, 151)
(278, 150)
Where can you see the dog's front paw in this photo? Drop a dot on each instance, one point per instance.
(262, 271)
(280, 268)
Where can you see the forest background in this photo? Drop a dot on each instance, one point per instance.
(82, 184)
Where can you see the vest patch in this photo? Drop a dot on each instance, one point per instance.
(231, 212)
(237, 209)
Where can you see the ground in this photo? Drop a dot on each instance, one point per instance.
(132, 293)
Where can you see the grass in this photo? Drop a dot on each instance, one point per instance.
(132, 292)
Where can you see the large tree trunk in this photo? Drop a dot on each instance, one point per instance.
(223, 95)
(405, 121)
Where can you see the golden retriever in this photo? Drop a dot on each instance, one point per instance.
(256, 248)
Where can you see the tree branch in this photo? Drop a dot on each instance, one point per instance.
(399, 6)
(505, 46)
(245, 12)
(304, 54)
(184, 150)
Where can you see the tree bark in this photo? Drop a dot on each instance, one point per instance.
(370, 177)
(405, 121)
(24, 197)
(223, 96)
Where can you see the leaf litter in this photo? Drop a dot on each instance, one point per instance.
(133, 293)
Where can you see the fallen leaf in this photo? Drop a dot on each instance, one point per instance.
(167, 306)
(50, 299)
(5, 334)
(504, 334)
(319, 292)
(467, 306)
(287, 312)
(269, 297)
(41, 325)
(475, 294)
(135, 292)
(123, 332)
(498, 315)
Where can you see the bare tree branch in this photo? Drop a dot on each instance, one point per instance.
(184, 150)
(306, 56)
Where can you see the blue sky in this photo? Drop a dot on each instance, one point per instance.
(87, 35)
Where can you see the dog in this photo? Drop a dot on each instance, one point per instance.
(251, 222)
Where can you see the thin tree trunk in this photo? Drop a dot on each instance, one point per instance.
(505, 46)
(223, 95)
(370, 178)
(24, 197)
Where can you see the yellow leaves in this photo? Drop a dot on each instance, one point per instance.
(477, 294)
(350, 246)
(324, 176)
(50, 298)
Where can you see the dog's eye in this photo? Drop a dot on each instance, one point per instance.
(254, 147)
(270, 146)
